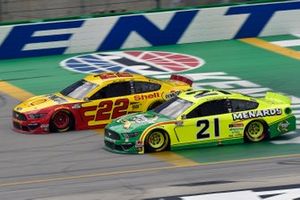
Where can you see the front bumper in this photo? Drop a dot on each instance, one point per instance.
(116, 142)
(34, 126)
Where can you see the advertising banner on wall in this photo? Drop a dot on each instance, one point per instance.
(149, 29)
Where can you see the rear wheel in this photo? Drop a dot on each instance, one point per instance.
(61, 121)
(256, 131)
(156, 141)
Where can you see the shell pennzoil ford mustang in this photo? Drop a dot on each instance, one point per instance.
(201, 118)
(94, 101)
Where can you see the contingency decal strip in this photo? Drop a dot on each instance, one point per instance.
(14, 91)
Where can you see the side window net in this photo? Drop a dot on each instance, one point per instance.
(113, 90)
(214, 107)
(142, 87)
(241, 105)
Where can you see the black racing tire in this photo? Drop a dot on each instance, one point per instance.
(61, 121)
(256, 131)
(157, 141)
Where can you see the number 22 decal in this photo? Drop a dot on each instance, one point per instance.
(106, 111)
(202, 134)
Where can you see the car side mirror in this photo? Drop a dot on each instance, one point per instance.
(86, 99)
(183, 116)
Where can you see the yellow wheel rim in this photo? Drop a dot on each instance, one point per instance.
(256, 131)
(156, 140)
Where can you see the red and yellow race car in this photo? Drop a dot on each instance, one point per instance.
(94, 101)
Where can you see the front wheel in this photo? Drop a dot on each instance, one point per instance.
(256, 131)
(157, 141)
(61, 121)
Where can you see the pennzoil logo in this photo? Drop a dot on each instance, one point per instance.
(283, 126)
(140, 62)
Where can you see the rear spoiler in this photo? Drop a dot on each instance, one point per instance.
(182, 78)
(278, 98)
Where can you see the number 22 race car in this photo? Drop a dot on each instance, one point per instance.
(94, 101)
(201, 118)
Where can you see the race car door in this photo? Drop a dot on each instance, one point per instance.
(147, 95)
(108, 103)
(205, 124)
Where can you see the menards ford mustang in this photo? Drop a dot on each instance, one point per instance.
(201, 118)
(94, 101)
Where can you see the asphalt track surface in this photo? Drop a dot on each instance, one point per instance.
(75, 166)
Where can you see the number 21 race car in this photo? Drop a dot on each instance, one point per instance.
(201, 118)
(94, 101)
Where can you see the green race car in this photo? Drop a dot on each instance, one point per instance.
(201, 118)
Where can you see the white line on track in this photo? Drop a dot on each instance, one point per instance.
(287, 43)
(296, 111)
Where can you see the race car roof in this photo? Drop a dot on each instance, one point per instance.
(112, 76)
(204, 95)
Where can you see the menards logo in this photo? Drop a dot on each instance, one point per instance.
(224, 81)
(256, 114)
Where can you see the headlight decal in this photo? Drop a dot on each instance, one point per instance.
(36, 115)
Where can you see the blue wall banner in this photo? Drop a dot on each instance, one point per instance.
(149, 29)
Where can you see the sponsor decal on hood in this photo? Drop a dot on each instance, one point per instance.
(137, 119)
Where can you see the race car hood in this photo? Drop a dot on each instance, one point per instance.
(137, 122)
(43, 101)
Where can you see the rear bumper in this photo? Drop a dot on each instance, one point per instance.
(283, 126)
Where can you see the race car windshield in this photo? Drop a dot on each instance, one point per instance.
(79, 89)
(173, 108)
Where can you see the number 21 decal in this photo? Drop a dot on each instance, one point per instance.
(202, 134)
